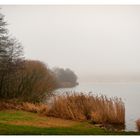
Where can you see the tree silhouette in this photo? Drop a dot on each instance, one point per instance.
(65, 77)
(11, 56)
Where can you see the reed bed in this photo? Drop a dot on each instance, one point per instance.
(138, 124)
(79, 106)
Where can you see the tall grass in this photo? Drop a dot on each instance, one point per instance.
(78, 106)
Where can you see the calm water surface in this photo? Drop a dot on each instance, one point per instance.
(129, 92)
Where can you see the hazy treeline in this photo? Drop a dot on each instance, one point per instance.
(65, 77)
(27, 80)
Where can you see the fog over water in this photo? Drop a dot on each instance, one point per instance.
(100, 43)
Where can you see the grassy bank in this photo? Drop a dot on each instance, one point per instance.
(76, 106)
(13, 122)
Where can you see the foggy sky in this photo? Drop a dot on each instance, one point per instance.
(94, 41)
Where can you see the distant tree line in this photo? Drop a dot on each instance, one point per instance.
(65, 77)
(26, 80)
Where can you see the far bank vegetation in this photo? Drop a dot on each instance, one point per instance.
(65, 77)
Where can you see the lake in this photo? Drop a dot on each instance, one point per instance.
(129, 92)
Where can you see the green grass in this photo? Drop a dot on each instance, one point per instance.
(12, 115)
(80, 128)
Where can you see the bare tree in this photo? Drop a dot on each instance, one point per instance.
(11, 56)
(35, 82)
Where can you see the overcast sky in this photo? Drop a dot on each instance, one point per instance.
(91, 40)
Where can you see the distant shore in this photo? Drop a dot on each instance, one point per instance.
(67, 85)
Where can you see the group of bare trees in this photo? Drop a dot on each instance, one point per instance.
(10, 58)
(22, 79)
(27, 80)
(35, 81)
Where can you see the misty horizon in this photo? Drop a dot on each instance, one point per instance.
(69, 70)
(99, 43)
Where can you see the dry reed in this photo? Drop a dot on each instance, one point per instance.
(99, 109)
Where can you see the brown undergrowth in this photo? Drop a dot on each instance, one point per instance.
(26, 106)
(76, 106)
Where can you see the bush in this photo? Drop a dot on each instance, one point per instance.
(33, 83)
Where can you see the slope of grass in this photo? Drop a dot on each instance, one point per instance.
(26, 123)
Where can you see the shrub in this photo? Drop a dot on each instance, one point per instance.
(34, 82)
